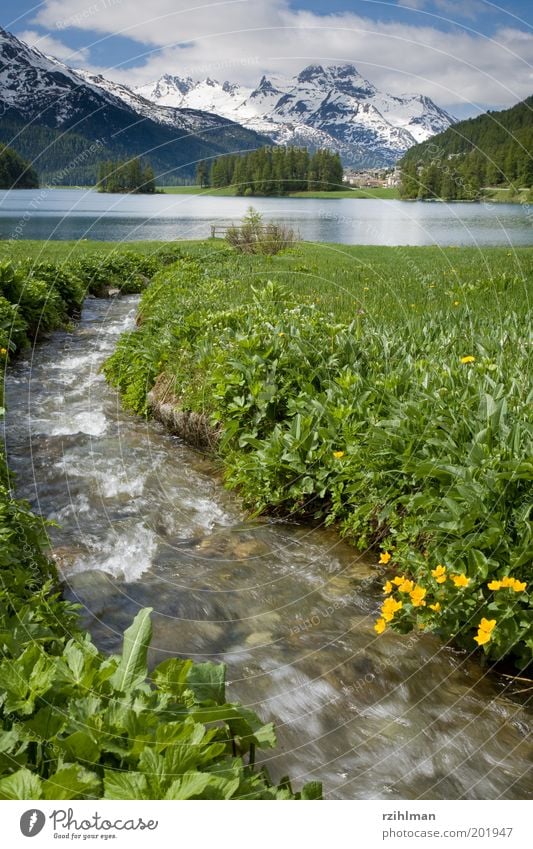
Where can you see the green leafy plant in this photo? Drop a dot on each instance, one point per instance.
(384, 425)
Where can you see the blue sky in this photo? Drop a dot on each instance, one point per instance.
(465, 54)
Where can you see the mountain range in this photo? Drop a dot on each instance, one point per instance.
(332, 107)
(65, 121)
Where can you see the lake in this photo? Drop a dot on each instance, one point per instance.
(85, 214)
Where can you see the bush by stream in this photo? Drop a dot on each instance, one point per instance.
(411, 430)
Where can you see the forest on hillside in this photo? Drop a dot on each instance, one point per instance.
(493, 149)
(274, 171)
(15, 173)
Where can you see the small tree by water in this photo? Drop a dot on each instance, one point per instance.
(253, 236)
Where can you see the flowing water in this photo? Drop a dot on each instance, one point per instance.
(82, 213)
(143, 520)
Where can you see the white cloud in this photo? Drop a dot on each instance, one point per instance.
(240, 39)
(54, 47)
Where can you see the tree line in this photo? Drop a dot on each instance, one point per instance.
(273, 171)
(15, 173)
(493, 149)
(126, 175)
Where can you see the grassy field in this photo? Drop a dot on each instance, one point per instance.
(386, 193)
(399, 279)
(498, 195)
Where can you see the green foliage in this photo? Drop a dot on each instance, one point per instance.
(376, 424)
(252, 236)
(276, 171)
(129, 176)
(493, 149)
(78, 725)
(15, 173)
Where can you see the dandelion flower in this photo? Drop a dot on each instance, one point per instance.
(468, 359)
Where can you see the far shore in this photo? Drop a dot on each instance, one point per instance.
(491, 194)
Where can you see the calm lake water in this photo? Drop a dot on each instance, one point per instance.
(81, 213)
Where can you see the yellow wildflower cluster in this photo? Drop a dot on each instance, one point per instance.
(417, 596)
(508, 583)
(440, 575)
(485, 629)
(389, 607)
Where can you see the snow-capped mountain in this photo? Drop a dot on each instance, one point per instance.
(331, 106)
(48, 109)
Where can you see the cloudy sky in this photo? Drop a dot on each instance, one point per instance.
(465, 54)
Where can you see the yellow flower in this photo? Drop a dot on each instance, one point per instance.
(338, 454)
(439, 574)
(485, 629)
(460, 580)
(468, 359)
(384, 558)
(435, 607)
(406, 586)
(494, 585)
(511, 584)
(387, 589)
(399, 579)
(417, 596)
(456, 303)
(389, 607)
(3, 351)
(380, 626)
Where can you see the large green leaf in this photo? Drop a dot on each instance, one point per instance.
(189, 786)
(21, 785)
(132, 668)
(125, 785)
(72, 781)
(208, 682)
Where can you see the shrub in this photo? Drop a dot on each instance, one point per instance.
(255, 237)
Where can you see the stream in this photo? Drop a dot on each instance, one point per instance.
(143, 520)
